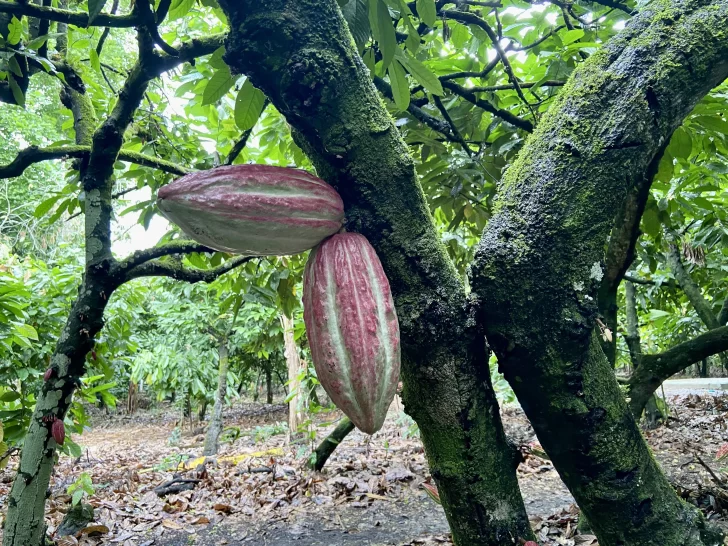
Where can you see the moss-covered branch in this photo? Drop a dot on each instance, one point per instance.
(34, 154)
(539, 263)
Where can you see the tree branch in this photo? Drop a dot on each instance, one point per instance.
(692, 290)
(505, 115)
(70, 17)
(649, 282)
(34, 154)
(656, 368)
(157, 268)
(142, 256)
(472, 19)
(418, 113)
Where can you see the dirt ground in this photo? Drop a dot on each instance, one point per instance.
(370, 492)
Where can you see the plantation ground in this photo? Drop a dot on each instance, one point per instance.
(370, 492)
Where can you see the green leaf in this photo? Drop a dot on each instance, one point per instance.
(421, 73)
(355, 13)
(94, 60)
(179, 8)
(248, 106)
(571, 36)
(94, 8)
(714, 123)
(42, 209)
(427, 11)
(651, 222)
(220, 83)
(10, 396)
(400, 87)
(18, 94)
(387, 36)
(15, 67)
(26, 330)
(681, 144)
(15, 31)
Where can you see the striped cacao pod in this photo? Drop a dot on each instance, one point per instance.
(253, 209)
(352, 328)
(58, 430)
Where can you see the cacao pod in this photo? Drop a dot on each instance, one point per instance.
(58, 430)
(256, 210)
(49, 373)
(352, 328)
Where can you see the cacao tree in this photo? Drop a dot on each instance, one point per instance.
(412, 112)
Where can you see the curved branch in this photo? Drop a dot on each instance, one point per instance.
(70, 17)
(34, 154)
(157, 268)
(656, 368)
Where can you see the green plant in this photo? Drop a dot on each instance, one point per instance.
(82, 486)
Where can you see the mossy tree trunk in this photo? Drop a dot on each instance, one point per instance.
(300, 53)
(539, 264)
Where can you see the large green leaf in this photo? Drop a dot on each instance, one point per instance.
(387, 36)
(220, 83)
(248, 106)
(421, 73)
(427, 11)
(400, 87)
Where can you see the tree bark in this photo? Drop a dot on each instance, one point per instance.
(296, 404)
(215, 428)
(268, 386)
(330, 443)
(538, 266)
(620, 255)
(300, 54)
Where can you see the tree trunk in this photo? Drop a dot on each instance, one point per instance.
(268, 386)
(131, 398)
(296, 405)
(329, 444)
(300, 54)
(538, 265)
(215, 428)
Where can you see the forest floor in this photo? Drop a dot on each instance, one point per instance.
(259, 492)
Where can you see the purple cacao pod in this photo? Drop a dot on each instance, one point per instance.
(352, 328)
(58, 430)
(49, 373)
(253, 209)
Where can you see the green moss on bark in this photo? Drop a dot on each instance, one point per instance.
(539, 264)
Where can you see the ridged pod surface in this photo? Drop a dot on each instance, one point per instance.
(352, 328)
(253, 209)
